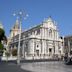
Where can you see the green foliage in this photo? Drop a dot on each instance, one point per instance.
(7, 53)
(14, 52)
(1, 49)
(2, 35)
(2, 32)
(1, 46)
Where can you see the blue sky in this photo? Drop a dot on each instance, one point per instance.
(59, 10)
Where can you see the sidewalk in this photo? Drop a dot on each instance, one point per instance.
(4, 58)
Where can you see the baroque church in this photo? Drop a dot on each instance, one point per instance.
(40, 42)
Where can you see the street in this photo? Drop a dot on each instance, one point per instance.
(10, 67)
(51, 66)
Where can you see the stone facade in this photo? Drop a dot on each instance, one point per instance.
(42, 41)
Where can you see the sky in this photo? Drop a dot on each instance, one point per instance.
(38, 10)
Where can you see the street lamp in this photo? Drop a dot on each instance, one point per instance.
(21, 14)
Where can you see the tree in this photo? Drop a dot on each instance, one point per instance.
(2, 35)
(7, 55)
(14, 52)
(2, 38)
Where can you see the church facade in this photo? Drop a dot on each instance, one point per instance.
(40, 42)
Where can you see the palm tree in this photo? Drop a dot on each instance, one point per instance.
(2, 38)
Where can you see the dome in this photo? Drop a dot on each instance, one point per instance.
(1, 26)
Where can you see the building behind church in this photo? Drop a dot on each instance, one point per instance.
(40, 42)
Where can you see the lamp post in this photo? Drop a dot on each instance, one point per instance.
(20, 15)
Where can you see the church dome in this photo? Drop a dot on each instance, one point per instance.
(1, 26)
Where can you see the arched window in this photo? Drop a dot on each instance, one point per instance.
(50, 33)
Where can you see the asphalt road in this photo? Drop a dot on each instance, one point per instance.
(11, 67)
(51, 66)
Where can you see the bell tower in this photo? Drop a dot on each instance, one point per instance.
(15, 29)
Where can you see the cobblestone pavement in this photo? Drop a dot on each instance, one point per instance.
(53, 66)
